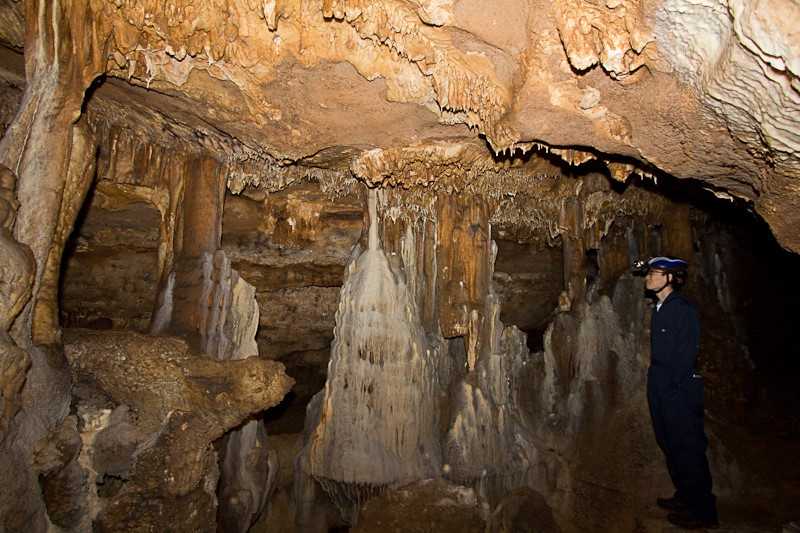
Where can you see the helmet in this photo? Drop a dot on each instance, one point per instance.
(669, 265)
(672, 265)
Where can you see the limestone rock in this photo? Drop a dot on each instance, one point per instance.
(382, 368)
(622, 82)
(423, 506)
(471, 118)
(182, 403)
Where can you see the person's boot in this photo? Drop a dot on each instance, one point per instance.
(675, 503)
(689, 520)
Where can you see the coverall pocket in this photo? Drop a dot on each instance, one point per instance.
(695, 393)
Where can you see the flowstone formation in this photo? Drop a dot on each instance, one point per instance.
(381, 379)
(425, 208)
(564, 429)
(702, 91)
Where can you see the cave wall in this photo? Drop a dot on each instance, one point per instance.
(110, 274)
(584, 381)
(293, 246)
(250, 96)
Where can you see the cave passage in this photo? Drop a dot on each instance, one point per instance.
(366, 266)
(294, 247)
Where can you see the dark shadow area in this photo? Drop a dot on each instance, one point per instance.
(528, 279)
(286, 417)
(289, 415)
(109, 270)
(535, 339)
(87, 96)
(71, 246)
(592, 269)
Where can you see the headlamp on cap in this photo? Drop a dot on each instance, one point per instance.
(669, 265)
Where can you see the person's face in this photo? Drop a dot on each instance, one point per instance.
(655, 279)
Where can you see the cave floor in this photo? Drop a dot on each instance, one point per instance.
(767, 501)
(735, 517)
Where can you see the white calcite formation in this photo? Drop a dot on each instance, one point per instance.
(489, 440)
(744, 58)
(459, 102)
(378, 421)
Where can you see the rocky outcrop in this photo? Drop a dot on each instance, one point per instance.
(167, 406)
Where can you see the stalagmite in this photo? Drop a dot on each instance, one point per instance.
(489, 440)
(425, 211)
(227, 332)
(378, 422)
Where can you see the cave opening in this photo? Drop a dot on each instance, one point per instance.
(528, 278)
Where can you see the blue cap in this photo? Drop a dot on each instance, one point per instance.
(667, 263)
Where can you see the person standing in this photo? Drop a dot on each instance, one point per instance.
(675, 396)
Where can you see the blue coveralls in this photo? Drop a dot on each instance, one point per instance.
(675, 398)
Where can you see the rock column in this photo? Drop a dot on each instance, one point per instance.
(49, 149)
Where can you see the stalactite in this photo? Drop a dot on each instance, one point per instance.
(467, 89)
(163, 312)
(202, 297)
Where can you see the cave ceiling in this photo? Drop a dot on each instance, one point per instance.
(408, 92)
